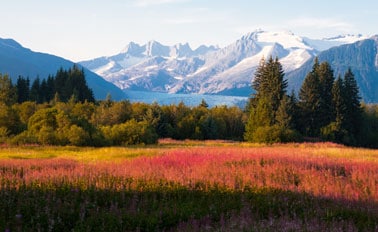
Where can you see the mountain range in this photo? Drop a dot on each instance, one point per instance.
(15, 60)
(209, 69)
(154, 67)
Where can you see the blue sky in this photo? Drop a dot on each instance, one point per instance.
(85, 29)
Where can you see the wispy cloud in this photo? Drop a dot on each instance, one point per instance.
(147, 3)
(180, 21)
(320, 23)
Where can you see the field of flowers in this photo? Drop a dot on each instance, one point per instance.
(189, 186)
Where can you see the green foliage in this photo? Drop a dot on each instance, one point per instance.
(23, 89)
(8, 93)
(310, 103)
(3, 134)
(270, 109)
(368, 135)
(66, 119)
(130, 133)
(326, 80)
(325, 102)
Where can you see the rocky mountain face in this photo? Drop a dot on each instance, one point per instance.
(361, 57)
(15, 60)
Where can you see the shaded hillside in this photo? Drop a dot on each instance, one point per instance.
(361, 57)
(17, 60)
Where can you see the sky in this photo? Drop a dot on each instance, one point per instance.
(85, 29)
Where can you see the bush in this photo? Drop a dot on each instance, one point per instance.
(23, 138)
(130, 133)
(267, 134)
(3, 134)
(78, 136)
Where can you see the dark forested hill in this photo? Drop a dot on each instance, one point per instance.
(15, 60)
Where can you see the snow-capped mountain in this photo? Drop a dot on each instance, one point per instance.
(211, 70)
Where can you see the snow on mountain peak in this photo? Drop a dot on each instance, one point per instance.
(208, 69)
(132, 49)
(347, 38)
(327, 43)
(285, 38)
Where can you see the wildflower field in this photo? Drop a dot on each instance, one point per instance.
(189, 186)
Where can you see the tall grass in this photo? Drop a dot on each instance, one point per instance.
(305, 187)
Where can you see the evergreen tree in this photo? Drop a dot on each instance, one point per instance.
(60, 82)
(339, 101)
(335, 131)
(315, 99)
(326, 80)
(50, 94)
(309, 103)
(43, 92)
(353, 111)
(34, 91)
(270, 88)
(284, 115)
(23, 89)
(269, 82)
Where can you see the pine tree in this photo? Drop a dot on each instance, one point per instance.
(23, 89)
(269, 82)
(309, 104)
(284, 115)
(270, 87)
(315, 99)
(353, 109)
(34, 91)
(43, 92)
(339, 103)
(326, 80)
(335, 131)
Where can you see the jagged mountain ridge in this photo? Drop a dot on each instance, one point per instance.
(15, 60)
(210, 70)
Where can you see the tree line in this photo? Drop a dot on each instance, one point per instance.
(61, 110)
(65, 116)
(64, 85)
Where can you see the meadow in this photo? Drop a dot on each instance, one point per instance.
(189, 186)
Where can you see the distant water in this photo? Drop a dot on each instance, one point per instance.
(187, 99)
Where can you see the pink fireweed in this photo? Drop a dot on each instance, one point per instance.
(308, 169)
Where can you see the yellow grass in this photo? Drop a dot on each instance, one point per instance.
(90, 154)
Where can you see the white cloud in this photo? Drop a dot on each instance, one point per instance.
(147, 3)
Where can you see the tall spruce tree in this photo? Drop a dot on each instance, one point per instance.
(353, 111)
(309, 103)
(270, 87)
(339, 103)
(23, 89)
(35, 91)
(315, 99)
(335, 131)
(326, 80)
